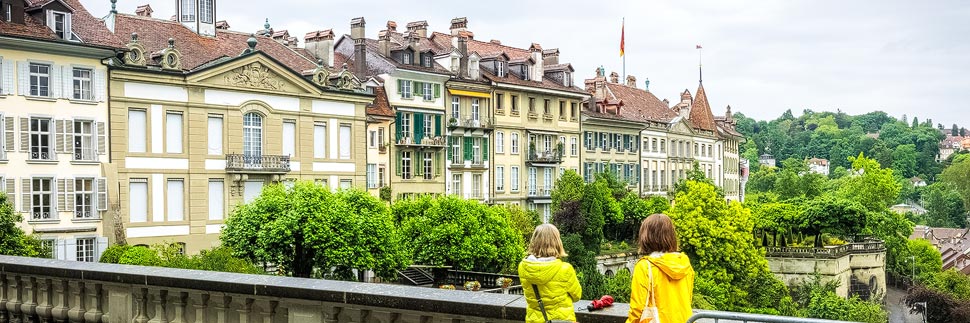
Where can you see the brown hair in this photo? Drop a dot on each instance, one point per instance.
(546, 242)
(657, 234)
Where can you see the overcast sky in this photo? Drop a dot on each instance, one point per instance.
(760, 57)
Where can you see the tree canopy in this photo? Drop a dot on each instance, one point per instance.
(13, 240)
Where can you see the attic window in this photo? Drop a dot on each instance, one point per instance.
(8, 15)
(427, 60)
(499, 68)
(188, 10)
(567, 79)
(525, 72)
(205, 12)
(60, 23)
(406, 58)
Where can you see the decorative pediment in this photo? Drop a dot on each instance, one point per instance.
(682, 127)
(255, 75)
(135, 56)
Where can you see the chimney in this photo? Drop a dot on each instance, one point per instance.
(391, 26)
(631, 81)
(384, 42)
(144, 10)
(666, 102)
(320, 43)
(495, 41)
(463, 50)
(537, 70)
(614, 78)
(458, 25)
(292, 42)
(597, 87)
(550, 56)
(360, 49)
(222, 25)
(419, 28)
(728, 116)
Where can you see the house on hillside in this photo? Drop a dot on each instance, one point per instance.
(953, 244)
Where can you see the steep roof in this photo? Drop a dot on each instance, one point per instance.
(700, 112)
(638, 105)
(380, 107)
(89, 29)
(198, 50)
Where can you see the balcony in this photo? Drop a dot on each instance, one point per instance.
(540, 191)
(265, 164)
(472, 123)
(382, 148)
(547, 157)
(435, 142)
(47, 290)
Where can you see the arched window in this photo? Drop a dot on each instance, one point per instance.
(252, 134)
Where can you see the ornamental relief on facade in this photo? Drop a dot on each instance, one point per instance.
(255, 75)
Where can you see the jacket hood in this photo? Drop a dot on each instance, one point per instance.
(674, 264)
(539, 272)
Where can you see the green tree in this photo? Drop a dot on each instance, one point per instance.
(939, 306)
(957, 175)
(763, 180)
(952, 282)
(13, 240)
(904, 160)
(872, 186)
(926, 258)
(944, 206)
(309, 230)
(141, 256)
(524, 221)
(598, 207)
(830, 214)
(955, 131)
(818, 299)
(634, 209)
(464, 234)
(569, 187)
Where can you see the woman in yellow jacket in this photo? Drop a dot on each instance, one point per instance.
(673, 276)
(555, 279)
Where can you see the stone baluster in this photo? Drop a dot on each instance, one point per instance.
(179, 303)
(222, 304)
(44, 300)
(141, 305)
(245, 312)
(61, 294)
(377, 316)
(160, 298)
(269, 311)
(411, 318)
(4, 316)
(94, 301)
(348, 314)
(330, 313)
(76, 314)
(199, 303)
(29, 307)
(13, 302)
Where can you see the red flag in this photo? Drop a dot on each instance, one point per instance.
(699, 47)
(622, 36)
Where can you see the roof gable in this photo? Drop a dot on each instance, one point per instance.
(255, 71)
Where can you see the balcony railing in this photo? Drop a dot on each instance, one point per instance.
(482, 122)
(540, 191)
(242, 163)
(544, 156)
(85, 154)
(438, 141)
(382, 148)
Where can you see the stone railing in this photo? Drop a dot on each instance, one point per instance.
(242, 163)
(47, 290)
(869, 246)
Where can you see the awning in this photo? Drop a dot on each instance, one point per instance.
(469, 93)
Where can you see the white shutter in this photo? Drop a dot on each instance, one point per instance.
(215, 136)
(59, 129)
(56, 81)
(54, 194)
(102, 244)
(10, 187)
(102, 141)
(216, 200)
(25, 196)
(102, 191)
(68, 196)
(70, 249)
(67, 84)
(176, 200)
(68, 26)
(6, 77)
(59, 246)
(100, 86)
(24, 77)
(69, 137)
(61, 198)
(25, 135)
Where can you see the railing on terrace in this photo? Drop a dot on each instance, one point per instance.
(827, 252)
(488, 280)
(546, 156)
(717, 317)
(540, 190)
(257, 163)
(468, 122)
(430, 141)
(48, 290)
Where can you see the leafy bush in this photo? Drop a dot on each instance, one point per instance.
(142, 256)
(113, 254)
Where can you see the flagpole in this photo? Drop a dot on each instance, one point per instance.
(624, 50)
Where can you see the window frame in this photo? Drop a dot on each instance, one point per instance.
(514, 179)
(406, 89)
(80, 194)
(81, 85)
(406, 172)
(515, 143)
(84, 143)
(37, 212)
(86, 249)
(428, 165)
(499, 178)
(35, 80)
(37, 138)
(499, 142)
(456, 108)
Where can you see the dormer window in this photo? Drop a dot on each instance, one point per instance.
(7, 12)
(499, 68)
(427, 60)
(473, 69)
(454, 64)
(524, 70)
(60, 23)
(567, 79)
(406, 58)
(206, 11)
(188, 10)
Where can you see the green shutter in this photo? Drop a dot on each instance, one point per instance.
(451, 154)
(437, 90)
(397, 163)
(400, 85)
(437, 163)
(437, 125)
(397, 126)
(485, 148)
(468, 148)
(415, 86)
(418, 127)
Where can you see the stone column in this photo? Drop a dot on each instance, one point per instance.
(29, 306)
(93, 299)
(44, 301)
(159, 297)
(141, 305)
(200, 302)
(13, 298)
(61, 294)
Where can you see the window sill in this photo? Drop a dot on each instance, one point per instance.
(40, 98)
(85, 162)
(85, 102)
(51, 221)
(407, 98)
(42, 162)
(91, 220)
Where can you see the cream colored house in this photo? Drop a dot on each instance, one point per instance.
(611, 131)
(200, 123)
(53, 117)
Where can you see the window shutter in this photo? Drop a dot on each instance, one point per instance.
(451, 152)
(485, 149)
(67, 86)
(101, 138)
(6, 77)
(416, 87)
(437, 90)
(397, 164)
(400, 86)
(24, 78)
(25, 135)
(58, 252)
(70, 249)
(397, 126)
(102, 189)
(25, 196)
(437, 125)
(8, 133)
(437, 163)
(10, 185)
(468, 148)
(69, 194)
(69, 136)
(102, 244)
(418, 127)
(62, 194)
(100, 86)
(417, 163)
(61, 133)
(56, 82)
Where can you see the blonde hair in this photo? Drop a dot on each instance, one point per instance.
(546, 242)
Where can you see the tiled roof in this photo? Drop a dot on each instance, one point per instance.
(700, 113)
(546, 82)
(638, 105)
(380, 107)
(198, 50)
(89, 29)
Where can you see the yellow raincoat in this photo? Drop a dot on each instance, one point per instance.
(673, 278)
(557, 284)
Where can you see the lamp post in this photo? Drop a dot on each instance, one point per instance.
(913, 276)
